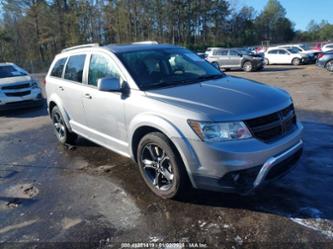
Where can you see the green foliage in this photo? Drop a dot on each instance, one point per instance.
(33, 31)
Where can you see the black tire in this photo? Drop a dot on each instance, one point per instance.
(156, 145)
(296, 61)
(62, 133)
(266, 61)
(247, 66)
(329, 66)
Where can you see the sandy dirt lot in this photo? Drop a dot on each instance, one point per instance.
(88, 197)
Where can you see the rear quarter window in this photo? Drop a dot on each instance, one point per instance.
(74, 68)
(58, 68)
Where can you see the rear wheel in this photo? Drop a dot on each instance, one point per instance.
(266, 61)
(216, 64)
(63, 135)
(160, 166)
(247, 66)
(296, 61)
(329, 66)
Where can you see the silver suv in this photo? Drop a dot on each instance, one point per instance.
(182, 120)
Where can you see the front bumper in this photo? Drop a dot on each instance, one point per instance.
(240, 166)
(321, 63)
(28, 101)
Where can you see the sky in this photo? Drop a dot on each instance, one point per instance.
(300, 12)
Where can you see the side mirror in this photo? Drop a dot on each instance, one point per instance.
(109, 84)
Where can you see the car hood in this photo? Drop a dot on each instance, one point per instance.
(15, 80)
(229, 98)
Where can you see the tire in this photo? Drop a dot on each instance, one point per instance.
(62, 133)
(247, 66)
(266, 61)
(329, 66)
(296, 61)
(161, 167)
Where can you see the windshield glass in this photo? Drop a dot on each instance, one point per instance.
(305, 47)
(167, 67)
(10, 71)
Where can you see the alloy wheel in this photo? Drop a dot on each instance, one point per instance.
(157, 167)
(59, 126)
(329, 66)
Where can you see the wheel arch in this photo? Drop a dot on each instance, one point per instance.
(56, 101)
(141, 126)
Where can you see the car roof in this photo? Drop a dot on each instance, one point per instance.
(120, 48)
(6, 64)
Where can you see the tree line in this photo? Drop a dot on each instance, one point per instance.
(33, 31)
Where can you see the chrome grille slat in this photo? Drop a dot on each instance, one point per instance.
(270, 127)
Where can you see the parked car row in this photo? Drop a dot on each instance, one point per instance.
(253, 59)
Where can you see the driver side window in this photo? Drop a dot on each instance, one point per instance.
(101, 67)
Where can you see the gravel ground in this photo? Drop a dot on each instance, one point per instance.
(88, 197)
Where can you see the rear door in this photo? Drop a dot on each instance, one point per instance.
(234, 58)
(221, 56)
(272, 56)
(104, 111)
(71, 88)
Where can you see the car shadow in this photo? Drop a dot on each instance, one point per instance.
(30, 112)
(279, 69)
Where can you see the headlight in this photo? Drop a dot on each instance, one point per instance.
(217, 132)
(34, 84)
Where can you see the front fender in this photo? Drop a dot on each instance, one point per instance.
(181, 143)
(55, 99)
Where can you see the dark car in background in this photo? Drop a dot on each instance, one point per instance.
(235, 59)
(325, 60)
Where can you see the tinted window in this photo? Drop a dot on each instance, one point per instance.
(282, 52)
(100, 67)
(74, 68)
(220, 52)
(234, 53)
(58, 68)
(167, 66)
(273, 52)
(10, 71)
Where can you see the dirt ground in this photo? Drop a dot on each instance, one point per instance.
(88, 197)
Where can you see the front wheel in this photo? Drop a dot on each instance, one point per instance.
(329, 66)
(247, 66)
(63, 135)
(296, 61)
(160, 166)
(266, 61)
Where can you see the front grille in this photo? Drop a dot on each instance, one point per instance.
(270, 127)
(14, 87)
(18, 94)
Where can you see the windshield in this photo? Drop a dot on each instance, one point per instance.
(305, 47)
(167, 67)
(10, 71)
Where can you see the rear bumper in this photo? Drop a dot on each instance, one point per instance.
(320, 63)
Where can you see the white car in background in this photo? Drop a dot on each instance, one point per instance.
(17, 88)
(327, 47)
(278, 55)
(303, 49)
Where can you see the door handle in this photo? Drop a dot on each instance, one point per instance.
(87, 96)
(61, 88)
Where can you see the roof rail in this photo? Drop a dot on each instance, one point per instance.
(90, 45)
(145, 42)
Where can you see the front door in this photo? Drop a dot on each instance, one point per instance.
(104, 110)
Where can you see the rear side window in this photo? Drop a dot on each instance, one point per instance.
(101, 67)
(220, 52)
(273, 52)
(74, 68)
(58, 68)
